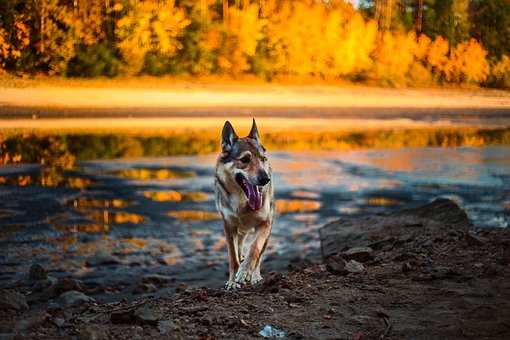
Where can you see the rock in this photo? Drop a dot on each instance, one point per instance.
(90, 332)
(122, 317)
(157, 279)
(336, 265)
(354, 267)
(30, 322)
(44, 284)
(75, 298)
(360, 254)
(379, 231)
(37, 272)
(10, 299)
(146, 315)
(144, 288)
(101, 258)
(64, 285)
(473, 239)
(165, 327)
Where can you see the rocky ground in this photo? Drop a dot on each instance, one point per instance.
(423, 274)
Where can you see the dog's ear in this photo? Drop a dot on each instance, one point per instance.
(254, 132)
(228, 136)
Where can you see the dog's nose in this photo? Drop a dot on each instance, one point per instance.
(263, 178)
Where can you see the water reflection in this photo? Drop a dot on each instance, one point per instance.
(176, 196)
(194, 215)
(148, 174)
(165, 220)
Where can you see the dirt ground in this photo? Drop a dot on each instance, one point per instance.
(425, 275)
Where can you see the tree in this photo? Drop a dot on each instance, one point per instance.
(491, 25)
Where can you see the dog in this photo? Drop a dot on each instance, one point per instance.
(245, 201)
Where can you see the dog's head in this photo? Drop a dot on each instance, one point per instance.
(245, 162)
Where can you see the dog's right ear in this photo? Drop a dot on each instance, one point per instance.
(228, 137)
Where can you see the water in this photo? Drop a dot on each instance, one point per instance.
(110, 222)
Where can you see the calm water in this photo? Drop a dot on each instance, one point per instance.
(110, 222)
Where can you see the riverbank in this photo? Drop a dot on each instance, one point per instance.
(419, 273)
(169, 97)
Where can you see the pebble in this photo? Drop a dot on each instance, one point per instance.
(37, 272)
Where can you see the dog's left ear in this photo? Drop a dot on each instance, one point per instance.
(254, 132)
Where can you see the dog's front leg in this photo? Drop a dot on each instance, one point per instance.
(233, 257)
(249, 271)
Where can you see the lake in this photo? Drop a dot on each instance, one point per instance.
(109, 222)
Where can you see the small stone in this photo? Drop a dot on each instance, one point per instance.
(146, 315)
(10, 299)
(101, 258)
(43, 284)
(166, 326)
(354, 267)
(336, 265)
(360, 254)
(122, 317)
(64, 285)
(37, 272)
(145, 288)
(74, 298)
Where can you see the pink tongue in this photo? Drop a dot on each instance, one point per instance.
(254, 197)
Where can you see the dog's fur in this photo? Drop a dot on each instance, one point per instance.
(243, 162)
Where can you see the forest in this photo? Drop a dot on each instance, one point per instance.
(387, 42)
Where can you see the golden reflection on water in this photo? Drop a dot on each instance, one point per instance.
(284, 206)
(194, 215)
(149, 174)
(176, 196)
(50, 178)
(86, 202)
(383, 201)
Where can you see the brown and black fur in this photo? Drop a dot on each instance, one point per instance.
(244, 157)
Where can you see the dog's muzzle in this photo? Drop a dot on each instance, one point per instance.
(253, 192)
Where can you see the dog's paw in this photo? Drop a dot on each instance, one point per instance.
(256, 278)
(243, 275)
(232, 285)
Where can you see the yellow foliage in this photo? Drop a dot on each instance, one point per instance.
(501, 72)
(394, 56)
(149, 26)
(308, 38)
(437, 55)
(467, 63)
(242, 33)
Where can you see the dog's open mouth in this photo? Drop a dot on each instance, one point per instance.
(251, 191)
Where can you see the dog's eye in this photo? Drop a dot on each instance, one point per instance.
(246, 159)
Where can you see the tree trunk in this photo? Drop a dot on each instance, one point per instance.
(418, 24)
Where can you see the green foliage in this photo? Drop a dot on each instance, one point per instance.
(94, 61)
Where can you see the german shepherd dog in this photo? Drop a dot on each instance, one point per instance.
(244, 198)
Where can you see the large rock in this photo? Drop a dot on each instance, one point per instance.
(376, 231)
(10, 299)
